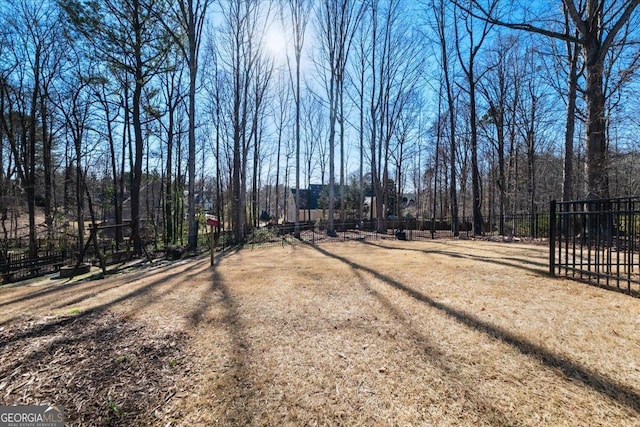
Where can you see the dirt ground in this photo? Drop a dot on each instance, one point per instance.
(437, 333)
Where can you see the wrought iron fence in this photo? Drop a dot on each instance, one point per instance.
(534, 226)
(597, 241)
(524, 225)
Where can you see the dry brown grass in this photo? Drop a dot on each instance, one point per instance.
(382, 333)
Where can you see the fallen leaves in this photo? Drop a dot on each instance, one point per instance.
(98, 366)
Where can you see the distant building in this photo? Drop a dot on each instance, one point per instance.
(203, 200)
(310, 208)
(314, 204)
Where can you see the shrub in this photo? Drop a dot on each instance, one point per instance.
(262, 235)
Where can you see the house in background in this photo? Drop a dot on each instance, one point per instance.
(310, 208)
(203, 200)
(314, 206)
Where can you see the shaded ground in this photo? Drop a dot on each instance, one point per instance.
(381, 333)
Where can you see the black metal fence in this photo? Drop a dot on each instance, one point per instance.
(52, 253)
(534, 226)
(16, 265)
(314, 233)
(597, 241)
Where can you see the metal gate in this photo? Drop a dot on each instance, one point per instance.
(597, 241)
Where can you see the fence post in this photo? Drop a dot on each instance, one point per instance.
(552, 239)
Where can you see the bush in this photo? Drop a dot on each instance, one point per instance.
(174, 252)
(263, 235)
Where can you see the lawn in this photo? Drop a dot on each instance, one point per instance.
(436, 333)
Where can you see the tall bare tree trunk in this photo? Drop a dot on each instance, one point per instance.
(137, 131)
(441, 26)
(596, 166)
(573, 54)
(31, 182)
(339, 21)
(595, 39)
(192, 241)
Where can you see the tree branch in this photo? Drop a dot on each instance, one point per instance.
(486, 15)
(575, 16)
(618, 26)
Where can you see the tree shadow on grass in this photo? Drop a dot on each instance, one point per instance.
(491, 413)
(520, 263)
(596, 381)
(236, 385)
(32, 344)
(42, 298)
(196, 316)
(57, 322)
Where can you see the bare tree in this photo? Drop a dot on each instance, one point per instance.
(173, 95)
(338, 20)
(190, 16)
(598, 27)
(73, 102)
(441, 25)
(404, 147)
(281, 122)
(359, 78)
(499, 88)
(530, 113)
(241, 44)
(104, 93)
(572, 55)
(33, 56)
(4, 181)
(217, 85)
(468, 64)
(395, 64)
(128, 35)
(314, 125)
(298, 11)
(261, 81)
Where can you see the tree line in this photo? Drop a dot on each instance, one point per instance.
(156, 111)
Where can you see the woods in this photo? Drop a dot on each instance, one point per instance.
(155, 113)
